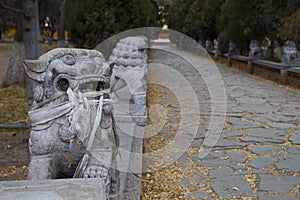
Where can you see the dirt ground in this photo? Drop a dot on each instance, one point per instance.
(14, 152)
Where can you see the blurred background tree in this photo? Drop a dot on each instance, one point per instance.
(209, 20)
(290, 28)
(92, 21)
(190, 26)
(237, 20)
(242, 21)
(177, 14)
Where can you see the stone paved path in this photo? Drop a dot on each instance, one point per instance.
(257, 156)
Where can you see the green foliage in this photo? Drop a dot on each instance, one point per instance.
(246, 20)
(237, 20)
(177, 13)
(223, 42)
(92, 21)
(275, 12)
(290, 29)
(192, 22)
(209, 20)
(243, 21)
(198, 19)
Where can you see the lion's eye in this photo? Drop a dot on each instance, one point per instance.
(69, 59)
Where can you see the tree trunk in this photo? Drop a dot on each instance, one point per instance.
(31, 29)
(15, 73)
(61, 26)
(31, 35)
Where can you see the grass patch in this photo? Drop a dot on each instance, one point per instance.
(13, 105)
(5, 47)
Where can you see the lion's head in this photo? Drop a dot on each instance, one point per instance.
(61, 68)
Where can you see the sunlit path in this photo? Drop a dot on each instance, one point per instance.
(257, 154)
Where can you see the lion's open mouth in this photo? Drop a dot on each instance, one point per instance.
(85, 83)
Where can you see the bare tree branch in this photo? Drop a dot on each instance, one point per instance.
(10, 8)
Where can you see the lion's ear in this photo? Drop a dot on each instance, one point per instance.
(35, 69)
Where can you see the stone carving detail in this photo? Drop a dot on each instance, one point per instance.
(233, 49)
(208, 45)
(256, 51)
(129, 60)
(291, 55)
(72, 126)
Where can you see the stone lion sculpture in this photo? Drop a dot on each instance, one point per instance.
(208, 45)
(72, 124)
(129, 61)
(290, 53)
(233, 49)
(255, 50)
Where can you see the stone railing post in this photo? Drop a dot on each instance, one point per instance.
(129, 88)
(255, 53)
(232, 51)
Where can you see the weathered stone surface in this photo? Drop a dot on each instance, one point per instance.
(290, 163)
(257, 109)
(265, 133)
(208, 45)
(129, 86)
(263, 140)
(295, 138)
(221, 172)
(260, 118)
(200, 178)
(215, 163)
(264, 150)
(275, 197)
(256, 51)
(231, 156)
(229, 144)
(281, 184)
(69, 116)
(233, 49)
(73, 130)
(251, 101)
(239, 157)
(281, 126)
(129, 159)
(230, 186)
(227, 134)
(291, 55)
(184, 158)
(211, 155)
(241, 125)
(290, 113)
(199, 194)
(129, 60)
(298, 194)
(255, 171)
(190, 180)
(293, 150)
(261, 162)
(53, 189)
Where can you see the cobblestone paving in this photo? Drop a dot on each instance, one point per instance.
(258, 153)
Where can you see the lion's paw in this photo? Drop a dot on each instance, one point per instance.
(96, 172)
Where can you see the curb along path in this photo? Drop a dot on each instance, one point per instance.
(257, 156)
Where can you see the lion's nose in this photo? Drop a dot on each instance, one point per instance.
(88, 67)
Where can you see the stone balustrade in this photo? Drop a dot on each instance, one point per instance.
(87, 124)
